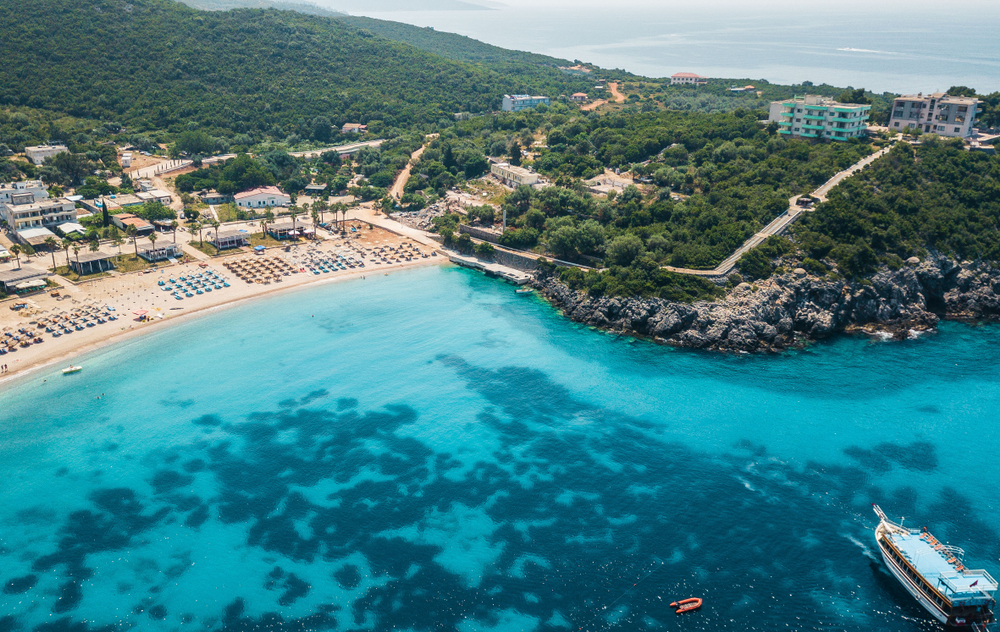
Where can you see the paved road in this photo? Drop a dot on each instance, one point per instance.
(782, 222)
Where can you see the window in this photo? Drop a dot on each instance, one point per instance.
(796, 129)
(958, 129)
(798, 120)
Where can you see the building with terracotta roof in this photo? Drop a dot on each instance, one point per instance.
(687, 78)
(124, 220)
(579, 97)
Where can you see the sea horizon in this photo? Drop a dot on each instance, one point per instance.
(902, 53)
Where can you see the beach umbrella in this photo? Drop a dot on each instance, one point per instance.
(140, 312)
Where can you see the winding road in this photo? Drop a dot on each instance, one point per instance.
(780, 223)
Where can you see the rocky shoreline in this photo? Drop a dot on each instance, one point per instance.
(790, 310)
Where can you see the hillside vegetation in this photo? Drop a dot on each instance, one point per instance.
(932, 197)
(160, 65)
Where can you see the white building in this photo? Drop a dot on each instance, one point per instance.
(518, 102)
(154, 195)
(687, 78)
(938, 113)
(513, 176)
(41, 153)
(262, 197)
(35, 188)
(126, 160)
(818, 117)
(46, 213)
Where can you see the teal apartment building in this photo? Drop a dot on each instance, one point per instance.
(819, 117)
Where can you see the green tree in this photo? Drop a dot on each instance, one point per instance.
(66, 245)
(133, 233)
(52, 244)
(623, 250)
(16, 250)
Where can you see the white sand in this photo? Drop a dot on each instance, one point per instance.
(128, 293)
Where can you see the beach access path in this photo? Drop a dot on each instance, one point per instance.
(780, 223)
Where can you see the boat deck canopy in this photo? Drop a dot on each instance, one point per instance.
(939, 572)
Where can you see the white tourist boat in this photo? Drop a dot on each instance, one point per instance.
(72, 369)
(935, 574)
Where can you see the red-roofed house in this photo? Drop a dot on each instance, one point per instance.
(579, 97)
(262, 197)
(688, 78)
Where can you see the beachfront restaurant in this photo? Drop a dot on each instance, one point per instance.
(230, 239)
(22, 280)
(284, 230)
(91, 263)
(35, 237)
(154, 252)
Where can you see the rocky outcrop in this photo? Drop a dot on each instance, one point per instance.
(791, 309)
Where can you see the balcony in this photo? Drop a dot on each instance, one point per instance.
(785, 123)
(813, 117)
(807, 135)
(813, 126)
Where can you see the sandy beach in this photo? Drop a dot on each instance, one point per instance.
(126, 296)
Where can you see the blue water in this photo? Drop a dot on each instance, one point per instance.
(923, 47)
(428, 451)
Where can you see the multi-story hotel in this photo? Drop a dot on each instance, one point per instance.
(938, 113)
(813, 116)
(518, 102)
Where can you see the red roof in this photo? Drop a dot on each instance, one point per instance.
(580, 94)
(687, 74)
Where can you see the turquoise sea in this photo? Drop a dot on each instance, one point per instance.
(428, 451)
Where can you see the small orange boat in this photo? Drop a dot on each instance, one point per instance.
(687, 605)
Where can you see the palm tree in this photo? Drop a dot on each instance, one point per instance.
(133, 233)
(268, 218)
(173, 226)
(294, 213)
(315, 216)
(215, 225)
(321, 205)
(51, 243)
(152, 238)
(116, 239)
(76, 252)
(16, 251)
(198, 226)
(94, 247)
(66, 245)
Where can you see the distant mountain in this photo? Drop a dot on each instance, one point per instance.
(158, 64)
(225, 5)
(386, 6)
(450, 45)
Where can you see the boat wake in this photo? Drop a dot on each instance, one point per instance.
(864, 548)
(848, 49)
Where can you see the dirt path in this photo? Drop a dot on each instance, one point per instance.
(593, 106)
(396, 192)
(619, 97)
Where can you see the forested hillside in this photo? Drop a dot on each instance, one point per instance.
(450, 45)
(932, 197)
(158, 64)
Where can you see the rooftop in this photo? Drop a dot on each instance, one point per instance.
(923, 552)
(24, 273)
(679, 75)
(940, 96)
(270, 190)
